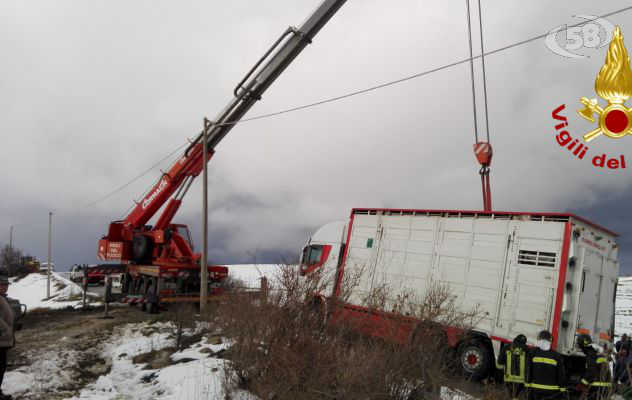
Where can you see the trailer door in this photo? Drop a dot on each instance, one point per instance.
(538, 259)
(597, 291)
(362, 255)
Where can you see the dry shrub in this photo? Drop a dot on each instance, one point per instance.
(283, 349)
(182, 324)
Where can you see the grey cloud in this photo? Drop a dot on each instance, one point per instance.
(95, 92)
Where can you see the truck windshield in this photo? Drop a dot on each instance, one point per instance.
(184, 232)
(312, 254)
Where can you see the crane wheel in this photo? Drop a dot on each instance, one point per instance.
(152, 285)
(141, 247)
(141, 290)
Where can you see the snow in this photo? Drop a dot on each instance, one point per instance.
(454, 394)
(623, 307)
(200, 377)
(196, 373)
(31, 290)
(48, 372)
(251, 274)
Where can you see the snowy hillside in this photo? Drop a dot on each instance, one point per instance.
(623, 307)
(133, 356)
(31, 290)
(251, 274)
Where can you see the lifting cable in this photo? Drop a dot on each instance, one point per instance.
(381, 86)
(482, 149)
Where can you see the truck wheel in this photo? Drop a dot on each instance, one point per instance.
(475, 359)
(141, 247)
(152, 308)
(141, 290)
(131, 287)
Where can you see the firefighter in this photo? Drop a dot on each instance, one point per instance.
(546, 378)
(513, 361)
(597, 381)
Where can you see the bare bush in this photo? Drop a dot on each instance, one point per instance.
(231, 284)
(182, 324)
(283, 349)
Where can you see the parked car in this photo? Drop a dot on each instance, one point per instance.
(117, 280)
(76, 273)
(18, 308)
(44, 266)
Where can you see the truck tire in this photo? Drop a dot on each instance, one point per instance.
(141, 247)
(475, 359)
(152, 308)
(141, 290)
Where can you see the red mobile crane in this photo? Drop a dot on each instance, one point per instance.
(158, 262)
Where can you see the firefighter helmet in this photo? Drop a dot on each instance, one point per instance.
(520, 339)
(584, 340)
(545, 335)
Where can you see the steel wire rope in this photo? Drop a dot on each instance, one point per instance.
(480, 24)
(430, 71)
(135, 178)
(469, 33)
(359, 92)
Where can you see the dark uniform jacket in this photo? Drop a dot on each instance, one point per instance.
(597, 370)
(545, 372)
(7, 317)
(514, 359)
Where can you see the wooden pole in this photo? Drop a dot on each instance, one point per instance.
(204, 261)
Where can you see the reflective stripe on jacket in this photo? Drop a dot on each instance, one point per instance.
(515, 363)
(545, 371)
(597, 370)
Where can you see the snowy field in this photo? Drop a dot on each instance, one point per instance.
(195, 374)
(251, 274)
(198, 372)
(31, 290)
(623, 307)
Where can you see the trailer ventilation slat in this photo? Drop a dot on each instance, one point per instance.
(536, 258)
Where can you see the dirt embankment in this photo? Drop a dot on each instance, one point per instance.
(66, 343)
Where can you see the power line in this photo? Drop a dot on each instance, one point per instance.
(135, 179)
(359, 92)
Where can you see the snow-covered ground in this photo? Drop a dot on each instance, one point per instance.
(251, 274)
(198, 372)
(31, 290)
(623, 307)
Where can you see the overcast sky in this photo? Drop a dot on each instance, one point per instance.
(92, 93)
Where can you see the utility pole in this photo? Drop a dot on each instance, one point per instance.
(11, 240)
(50, 240)
(204, 261)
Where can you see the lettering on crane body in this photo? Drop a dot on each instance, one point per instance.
(151, 197)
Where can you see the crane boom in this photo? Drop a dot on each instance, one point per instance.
(130, 239)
